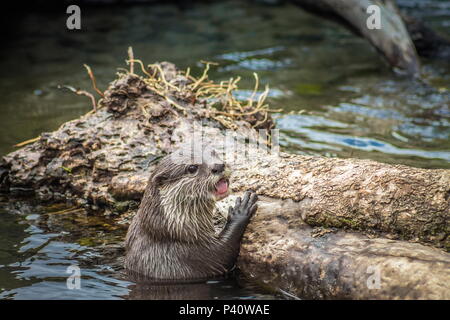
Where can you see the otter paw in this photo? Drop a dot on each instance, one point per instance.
(243, 209)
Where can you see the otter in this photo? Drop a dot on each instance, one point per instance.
(172, 236)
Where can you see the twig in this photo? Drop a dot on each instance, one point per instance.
(266, 115)
(209, 62)
(250, 100)
(23, 143)
(142, 66)
(203, 77)
(82, 93)
(290, 295)
(131, 59)
(65, 211)
(262, 97)
(163, 78)
(94, 83)
(176, 105)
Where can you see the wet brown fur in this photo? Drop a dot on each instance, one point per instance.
(172, 235)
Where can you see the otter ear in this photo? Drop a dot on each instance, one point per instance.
(159, 179)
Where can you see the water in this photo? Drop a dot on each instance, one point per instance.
(338, 96)
(39, 244)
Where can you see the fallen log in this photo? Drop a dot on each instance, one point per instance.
(400, 36)
(102, 161)
(280, 251)
(397, 201)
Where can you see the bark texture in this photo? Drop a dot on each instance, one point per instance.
(400, 201)
(281, 251)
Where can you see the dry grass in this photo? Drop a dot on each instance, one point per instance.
(222, 103)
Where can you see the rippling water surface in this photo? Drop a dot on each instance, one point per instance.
(39, 245)
(338, 98)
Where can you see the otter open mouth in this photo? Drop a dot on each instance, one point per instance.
(221, 189)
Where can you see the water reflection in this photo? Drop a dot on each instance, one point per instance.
(35, 254)
(225, 288)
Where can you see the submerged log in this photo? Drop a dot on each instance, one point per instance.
(401, 37)
(103, 160)
(392, 39)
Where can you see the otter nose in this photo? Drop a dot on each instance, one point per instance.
(218, 168)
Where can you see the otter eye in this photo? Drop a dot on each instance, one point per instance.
(192, 168)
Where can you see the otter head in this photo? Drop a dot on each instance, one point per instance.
(187, 175)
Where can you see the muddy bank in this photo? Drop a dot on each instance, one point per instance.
(102, 161)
